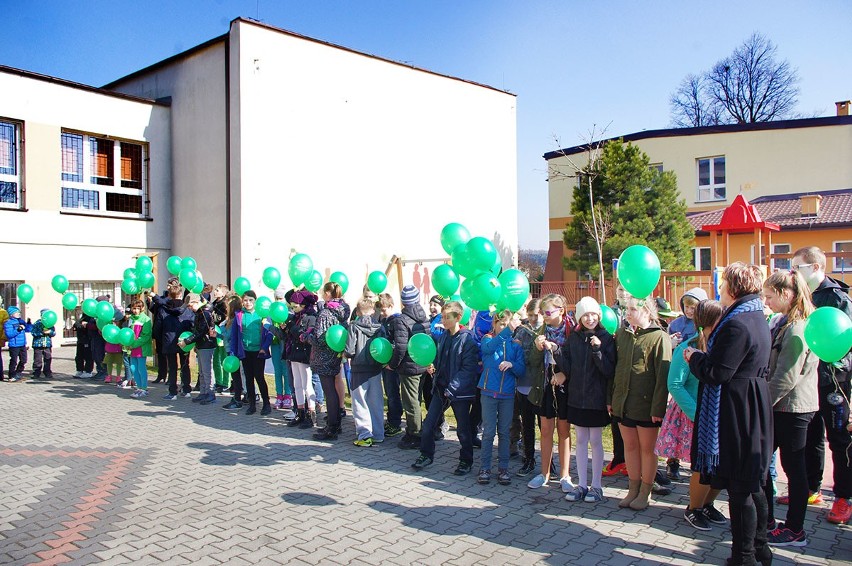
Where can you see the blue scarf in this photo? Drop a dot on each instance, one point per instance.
(555, 335)
(708, 412)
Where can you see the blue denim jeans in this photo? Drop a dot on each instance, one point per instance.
(320, 394)
(496, 418)
(461, 410)
(390, 381)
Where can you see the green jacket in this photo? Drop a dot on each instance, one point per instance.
(143, 336)
(639, 389)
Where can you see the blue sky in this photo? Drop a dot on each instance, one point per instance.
(573, 65)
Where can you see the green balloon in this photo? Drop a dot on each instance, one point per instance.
(279, 312)
(59, 283)
(241, 285)
(188, 277)
(199, 285)
(105, 311)
(314, 281)
(146, 280)
(462, 263)
(261, 306)
(184, 336)
(173, 264)
(300, 268)
(638, 271)
(445, 280)
(340, 278)
(69, 301)
(377, 282)
(422, 349)
(487, 288)
(516, 289)
(144, 264)
(609, 320)
(381, 350)
(271, 277)
(25, 293)
(126, 337)
(452, 235)
(482, 253)
(130, 286)
(90, 307)
(48, 318)
(130, 273)
(110, 333)
(336, 336)
(188, 263)
(828, 333)
(231, 364)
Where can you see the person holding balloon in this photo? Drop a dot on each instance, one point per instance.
(16, 339)
(140, 347)
(251, 341)
(793, 394)
(43, 331)
(526, 335)
(368, 349)
(298, 352)
(203, 335)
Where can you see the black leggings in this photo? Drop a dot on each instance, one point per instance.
(749, 512)
(791, 431)
(332, 400)
(253, 368)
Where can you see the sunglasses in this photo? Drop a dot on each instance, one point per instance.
(553, 312)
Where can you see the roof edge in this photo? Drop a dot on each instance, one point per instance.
(81, 86)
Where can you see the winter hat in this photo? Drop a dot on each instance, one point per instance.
(13, 310)
(279, 294)
(696, 293)
(303, 298)
(410, 295)
(586, 305)
(437, 299)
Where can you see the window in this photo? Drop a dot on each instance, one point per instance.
(89, 290)
(762, 260)
(109, 178)
(778, 263)
(711, 178)
(701, 259)
(842, 264)
(10, 181)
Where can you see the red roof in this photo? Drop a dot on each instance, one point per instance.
(783, 211)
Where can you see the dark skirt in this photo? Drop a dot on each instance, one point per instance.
(553, 408)
(589, 418)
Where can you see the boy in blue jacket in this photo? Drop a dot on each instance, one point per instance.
(16, 338)
(42, 348)
(455, 373)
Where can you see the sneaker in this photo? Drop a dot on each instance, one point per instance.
(594, 495)
(108, 379)
(287, 402)
(77, 375)
(696, 518)
(577, 494)
(325, 434)
(841, 511)
(537, 482)
(15, 378)
(170, 397)
(142, 392)
(187, 395)
(391, 430)
(210, 400)
(409, 442)
(199, 398)
(503, 477)
(463, 468)
(660, 489)
(422, 461)
(567, 485)
(610, 470)
(714, 515)
(364, 443)
(234, 404)
(477, 442)
(85, 375)
(527, 468)
(661, 478)
(135, 394)
(786, 537)
(673, 471)
(814, 498)
(484, 477)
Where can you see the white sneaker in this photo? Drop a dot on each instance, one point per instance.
(186, 395)
(78, 374)
(86, 374)
(567, 485)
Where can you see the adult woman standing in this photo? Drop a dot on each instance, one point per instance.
(734, 417)
(793, 393)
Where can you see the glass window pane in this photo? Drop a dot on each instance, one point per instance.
(719, 193)
(705, 259)
(8, 192)
(116, 202)
(102, 161)
(8, 160)
(703, 172)
(72, 158)
(719, 171)
(131, 165)
(79, 198)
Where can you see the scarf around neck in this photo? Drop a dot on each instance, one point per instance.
(554, 334)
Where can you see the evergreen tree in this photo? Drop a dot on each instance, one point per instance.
(640, 204)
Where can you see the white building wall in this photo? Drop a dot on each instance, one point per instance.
(42, 242)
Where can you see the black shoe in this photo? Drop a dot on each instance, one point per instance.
(308, 421)
(439, 435)
(673, 471)
(658, 489)
(477, 443)
(342, 413)
(696, 518)
(553, 471)
(48, 375)
(714, 515)
(252, 409)
(325, 434)
(463, 468)
(265, 410)
(300, 418)
(219, 389)
(661, 478)
(527, 468)
(234, 404)
(197, 387)
(409, 442)
(421, 462)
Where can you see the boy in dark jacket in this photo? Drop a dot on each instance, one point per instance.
(204, 337)
(455, 374)
(175, 318)
(367, 401)
(42, 348)
(16, 338)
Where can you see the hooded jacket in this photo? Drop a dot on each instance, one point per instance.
(495, 382)
(792, 371)
(834, 293)
(411, 320)
(456, 366)
(42, 336)
(16, 338)
(684, 325)
(362, 331)
(141, 325)
(175, 318)
(325, 361)
(236, 344)
(203, 323)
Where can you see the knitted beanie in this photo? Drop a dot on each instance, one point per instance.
(586, 305)
(410, 295)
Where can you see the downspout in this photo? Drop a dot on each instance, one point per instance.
(228, 159)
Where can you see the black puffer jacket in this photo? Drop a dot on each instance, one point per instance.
(176, 319)
(201, 329)
(412, 320)
(589, 370)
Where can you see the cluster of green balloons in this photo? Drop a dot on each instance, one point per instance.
(186, 270)
(828, 333)
(638, 271)
(104, 311)
(115, 335)
(140, 277)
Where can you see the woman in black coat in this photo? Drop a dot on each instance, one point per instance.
(732, 442)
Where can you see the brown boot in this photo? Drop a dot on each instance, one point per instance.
(641, 501)
(632, 493)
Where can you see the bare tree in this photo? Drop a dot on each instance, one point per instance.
(750, 85)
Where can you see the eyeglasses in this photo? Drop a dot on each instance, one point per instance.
(553, 312)
(801, 265)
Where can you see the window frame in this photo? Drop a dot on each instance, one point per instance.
(789, 260)
(97, 188)
(696, 257)
(712, 187)
(834, 267)
(16, 176)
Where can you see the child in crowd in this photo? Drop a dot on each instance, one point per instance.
(234, 305)
(280, 367)
(502, 365)
(204, 337)
(42, 344)
(533, 369)
(219, 309)
(683, 327)
(588, 362)
(367, 400)
(298, 352)
(140, 348)
(639, 395)
(250, 341)
(16, 340)
(454, 373)
(390, 378)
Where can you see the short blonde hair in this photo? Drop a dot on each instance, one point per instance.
(453, 307)
(366, 305)
(385, 300)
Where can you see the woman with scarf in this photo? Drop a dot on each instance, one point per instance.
(732, 439)
(553, 405)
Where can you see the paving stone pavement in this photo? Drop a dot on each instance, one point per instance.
(89, 475)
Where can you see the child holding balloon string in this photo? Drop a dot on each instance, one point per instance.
(43, 330)
(366, 336)
(140, 347)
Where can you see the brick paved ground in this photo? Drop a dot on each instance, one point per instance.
(88, 475)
